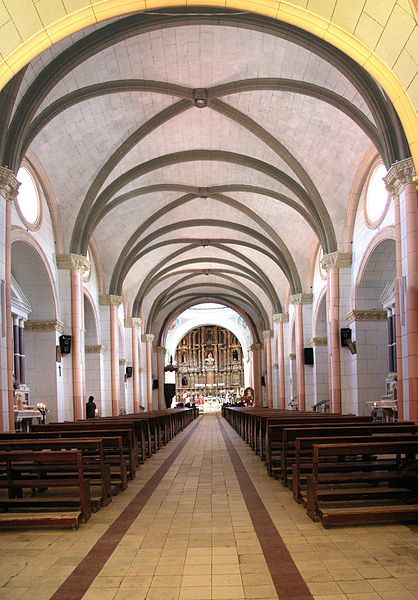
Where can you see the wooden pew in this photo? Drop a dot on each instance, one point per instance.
(84, 429)
(34, 471)
(94, 463)
(302, 467)
(286, 456)
(362, 502)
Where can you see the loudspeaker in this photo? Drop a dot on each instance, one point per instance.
(65, 344)
(347, 341)
(155, 384)
(308, 356)
(263, 381)
(128, 371)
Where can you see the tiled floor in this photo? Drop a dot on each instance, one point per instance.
(184, 530)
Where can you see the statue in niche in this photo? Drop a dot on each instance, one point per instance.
(184, 381)
(209, 360)
(183, 358)
(209, 335)
(235, 355)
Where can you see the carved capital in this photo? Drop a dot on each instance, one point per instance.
(73, 261)
(366, 315)
(400, 173)
(148, 337)
(256, 346)
(122, 362)
(336, 260)
(132, 322)
(53, 325)
(267, 335)
(9, 185)
(318, 341)
(301, 299)
(292, 356)
(161, 350)
(98, 349)
(281, 318)
(110, 300)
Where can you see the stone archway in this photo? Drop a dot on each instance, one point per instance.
(374, 296)
(44, 367)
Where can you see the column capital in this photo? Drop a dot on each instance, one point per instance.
(281, 318)
(97, 349)
(161, 350)
(52, 325)
(148, 337)
(399, 175)
(110, 300)
(122, 362)
(292, 356)
(301, 299)
(256, 346)
(132, 322)
(318, 341)
(9, 185)
(73, 261)
(373, 314)
(267, 334)
(336, 260)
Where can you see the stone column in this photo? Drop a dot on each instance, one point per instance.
(161, 378)
(134, 324)
(320, 370)
(113, 302)
(281, 318)
(22, 351)
(149, 339)
(94, 355)
(16, 349)
(267, 335)
(9, 186)
(401, 182)
(76, 265)
(331, 263)
(258, 392)
(299, 300)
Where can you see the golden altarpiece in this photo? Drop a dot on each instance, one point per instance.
(210, 363)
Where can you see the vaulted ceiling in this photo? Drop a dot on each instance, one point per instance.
(204, 152)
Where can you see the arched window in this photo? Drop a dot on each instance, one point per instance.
(376, 197)
(28, 202)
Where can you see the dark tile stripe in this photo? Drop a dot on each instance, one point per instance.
(288, 581)
(77, 584)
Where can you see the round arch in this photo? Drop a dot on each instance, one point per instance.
(90, 12)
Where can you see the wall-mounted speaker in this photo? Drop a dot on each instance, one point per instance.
(308, 356)
(65, 344)
(128, 371)
(347, 341)
(155, 384)
(263, 381)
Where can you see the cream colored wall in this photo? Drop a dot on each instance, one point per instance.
(380, 35)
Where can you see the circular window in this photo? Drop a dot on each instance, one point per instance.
(28, 202)
(377, 197)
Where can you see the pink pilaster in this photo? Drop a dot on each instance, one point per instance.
(114, 358)
(135, 368)
(300, 365)
(258, 393)
(280, 319)
(161, 376)
(334, 351)
(8, 191)
(149, 338)
(398, 323)
(76, 326)
(412, 295)
(267, 346)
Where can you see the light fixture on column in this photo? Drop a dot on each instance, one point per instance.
(170, 368)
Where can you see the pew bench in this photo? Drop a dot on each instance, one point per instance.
(25, 480)
(365, 493)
